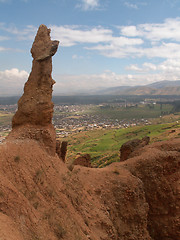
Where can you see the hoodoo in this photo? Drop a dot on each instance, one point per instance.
(40, 198)
(35, 108)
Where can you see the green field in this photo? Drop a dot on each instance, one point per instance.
(132, 112)
(5, 118)
(104, 145)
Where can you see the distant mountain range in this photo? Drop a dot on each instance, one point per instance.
(157, 88)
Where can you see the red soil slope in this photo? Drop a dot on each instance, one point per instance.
(133, 200)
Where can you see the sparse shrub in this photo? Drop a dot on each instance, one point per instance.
(17, 158)
(1, 194)
(38, 178)
(32, 195)
(34, 236)
(116, 172)
(35, 205)
(38, 173)
(50, 193)
(59, 231)
(47, 216)
(70, 167)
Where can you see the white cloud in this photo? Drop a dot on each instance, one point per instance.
(4, 38)
(155, 31)
(151, 41)
(131, 5)
(4, 49)
(134, 67)
(165, 50)
(75, 56)
(146, 67)
(79, 83)
(170, 66)
(86, 5)
(4, 1)
(149, 66)
(7, 1)
(130, 31)
(73, 35)
(172, 3)
(144, 40)
(134, 4)
(27, 33)
(12, 81)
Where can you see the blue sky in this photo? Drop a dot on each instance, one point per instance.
(103, 43)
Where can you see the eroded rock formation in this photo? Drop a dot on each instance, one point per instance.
(40, 198)
(137, 199)
(33, 118)
(61, 149)
(130, 148)
(84, 160)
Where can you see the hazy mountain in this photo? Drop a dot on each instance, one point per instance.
(113, 90)
(163, 84)
(157, 88)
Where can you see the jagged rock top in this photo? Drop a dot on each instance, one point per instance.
(43, 47)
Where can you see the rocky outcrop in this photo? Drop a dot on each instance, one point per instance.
(84, 160)
(137, 199)
(33, 118)
(130, 148)
(35, 106)
(61, 149)
(158, 167)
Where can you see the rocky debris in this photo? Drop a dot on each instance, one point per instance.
(35, 108)
(84, 160)
(129, 148)
(61, 149)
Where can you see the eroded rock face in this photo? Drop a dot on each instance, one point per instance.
(35, 108)
(84, 160)
(137, 199)
(129, 148)
(61, 149)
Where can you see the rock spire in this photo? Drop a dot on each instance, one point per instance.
(35, 107)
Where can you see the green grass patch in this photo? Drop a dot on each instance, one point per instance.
(133, 112)
(5, 118)
(104, 145)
